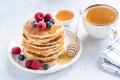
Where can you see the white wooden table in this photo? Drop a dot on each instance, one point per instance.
(14, 13)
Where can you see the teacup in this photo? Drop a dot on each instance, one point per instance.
(100, 20)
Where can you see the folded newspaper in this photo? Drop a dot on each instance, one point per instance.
(110, 57)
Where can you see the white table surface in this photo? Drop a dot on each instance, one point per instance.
(14, 13)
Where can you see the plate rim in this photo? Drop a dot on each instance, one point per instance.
(15, 63)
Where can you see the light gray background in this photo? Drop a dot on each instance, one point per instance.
(14, 13)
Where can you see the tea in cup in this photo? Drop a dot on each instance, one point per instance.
(100, 20)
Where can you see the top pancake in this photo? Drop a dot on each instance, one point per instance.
(35, 32)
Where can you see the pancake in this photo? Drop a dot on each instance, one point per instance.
(46, 45)
(43, 52)
(44, 42)
(33, 56)
(35, 32)
(43, 46)
(51, 63)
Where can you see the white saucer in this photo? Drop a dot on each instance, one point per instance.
(20, 64)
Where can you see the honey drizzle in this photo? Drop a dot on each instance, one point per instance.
(65, 59)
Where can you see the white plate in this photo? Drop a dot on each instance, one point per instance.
(20, 64)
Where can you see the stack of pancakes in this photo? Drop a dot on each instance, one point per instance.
(46, 46)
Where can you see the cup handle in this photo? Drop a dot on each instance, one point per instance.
(114, 33)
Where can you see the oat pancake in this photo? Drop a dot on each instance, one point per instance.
(51, 63)
(43, 52)
(30, 55)
(35, 32)
(46, 45)
(48, 41)
(24, 43)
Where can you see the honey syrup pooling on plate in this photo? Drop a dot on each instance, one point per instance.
(101, 15)
(65, 59)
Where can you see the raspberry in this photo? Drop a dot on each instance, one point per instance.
(35, 65)
(16, 50)
(28, 63)
(47, 17)
(41, 25)
(38, 16)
